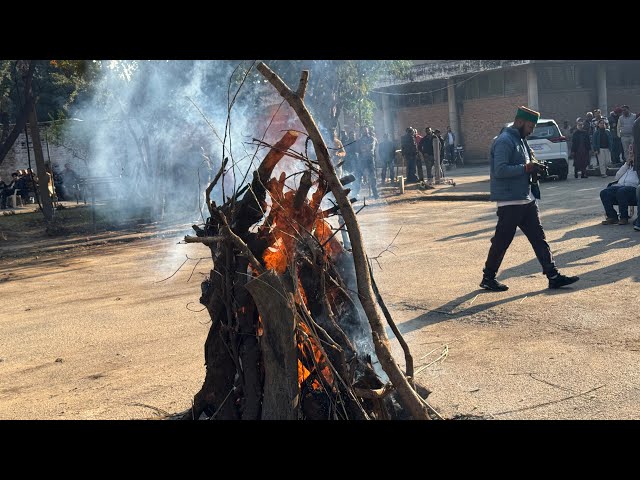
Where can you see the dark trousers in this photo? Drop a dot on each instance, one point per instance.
(616, 150)
(411, 168)
(615, 195)
(390, 164)
(419, 165)
(429, 162)
(527, 218)
(451, 151)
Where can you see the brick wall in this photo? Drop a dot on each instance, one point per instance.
(17, 158)
(567, 105)
(434, 116)
(482, 119)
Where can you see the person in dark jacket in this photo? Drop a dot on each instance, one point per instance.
(510, 175)
(616, 148)
(410, 153)
(426, 148)
(580, 151)
(387, 152)
(8, 189)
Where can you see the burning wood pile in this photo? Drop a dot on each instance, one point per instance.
(292, 333)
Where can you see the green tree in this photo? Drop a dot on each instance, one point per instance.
(337, 86)
(52, 85)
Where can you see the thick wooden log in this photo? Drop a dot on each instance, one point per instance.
(275, 155)
(303, 190)
(273, 295)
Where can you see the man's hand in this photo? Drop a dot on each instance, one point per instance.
(536, 167)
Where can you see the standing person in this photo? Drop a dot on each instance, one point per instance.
(602, 142)
(426, 149)
(451, 145)
(580, 151)
(438, 150)
(511, 170)
(625, 129)
(366, 157)
(616, 148)
(387, 152)
(351, 148)
(410, 153)
(338, 154)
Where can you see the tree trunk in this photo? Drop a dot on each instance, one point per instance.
(43, 173)
(21, 121)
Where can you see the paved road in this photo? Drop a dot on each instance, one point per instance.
(128, 344)
(522, 353)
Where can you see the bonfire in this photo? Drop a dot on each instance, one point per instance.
(296, 330)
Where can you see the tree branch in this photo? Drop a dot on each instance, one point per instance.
(406, 394)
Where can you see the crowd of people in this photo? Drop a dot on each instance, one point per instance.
(65, 185)
(22, 184)
(359, 156)
(601, 141)
(597, 140)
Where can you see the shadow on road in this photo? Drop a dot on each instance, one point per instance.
(608, 240)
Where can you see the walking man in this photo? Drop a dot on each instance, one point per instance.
(511, 168)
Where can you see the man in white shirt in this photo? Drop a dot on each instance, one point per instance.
(621, 193)
(625, 129)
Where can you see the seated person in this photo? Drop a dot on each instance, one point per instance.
(621, 192)
(23, 184)
(8, 190)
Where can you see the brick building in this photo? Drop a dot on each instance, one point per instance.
(476, 97)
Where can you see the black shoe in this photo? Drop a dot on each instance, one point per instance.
(493, 284)
(561, 281)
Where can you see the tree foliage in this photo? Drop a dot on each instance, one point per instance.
(337, 86)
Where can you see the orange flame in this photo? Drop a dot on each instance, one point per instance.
(282, 229)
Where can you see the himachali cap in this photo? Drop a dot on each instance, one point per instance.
(528, 114)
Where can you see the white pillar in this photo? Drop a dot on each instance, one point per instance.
(453, 111)
(601, 82)
(532, 87)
